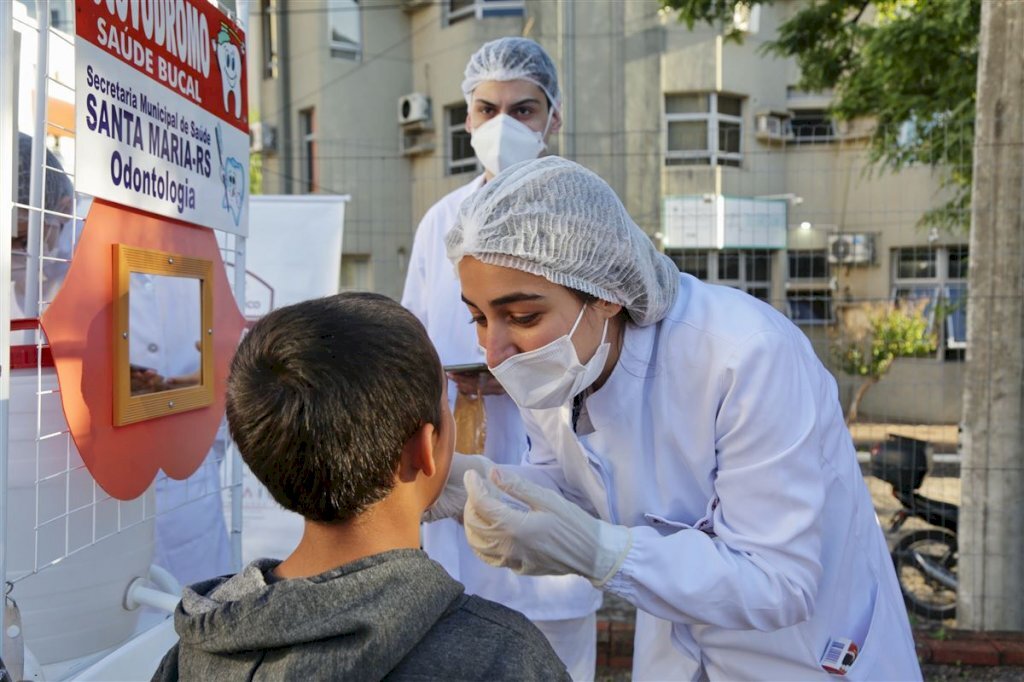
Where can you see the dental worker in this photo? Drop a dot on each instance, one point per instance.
(514, 105)
(687, 448)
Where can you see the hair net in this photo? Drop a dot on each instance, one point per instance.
(512, 59)
(553, 218)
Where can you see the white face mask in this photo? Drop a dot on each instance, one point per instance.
(504, 141)
(552, 375)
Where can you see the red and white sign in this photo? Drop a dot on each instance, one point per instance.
(161, 111)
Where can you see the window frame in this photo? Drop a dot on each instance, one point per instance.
(829, 138)
(269, 38)
(809, 289)
(453, 166)
(481, 9)
(743, 281)
(937, 289)
(711, 153)
(307, 156)
(340, 50)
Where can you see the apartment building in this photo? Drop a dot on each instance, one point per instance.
(734, 172)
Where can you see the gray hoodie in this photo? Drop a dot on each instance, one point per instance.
(396, 616)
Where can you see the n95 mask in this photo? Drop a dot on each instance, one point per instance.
(504, 141)
(552, 375)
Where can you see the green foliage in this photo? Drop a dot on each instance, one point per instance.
(255, 174)
(893, 332)
(909, 64)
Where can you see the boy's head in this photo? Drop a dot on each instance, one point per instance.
(333, 401)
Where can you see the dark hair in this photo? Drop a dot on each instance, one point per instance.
(58, 185)
(323, 395)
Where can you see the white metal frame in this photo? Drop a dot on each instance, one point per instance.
(809, 288)
(481, 9)
(711, 152)
(937, 288)
(743, 282)
(127, 514)
(340, 50)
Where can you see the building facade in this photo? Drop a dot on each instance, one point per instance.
(734, 172)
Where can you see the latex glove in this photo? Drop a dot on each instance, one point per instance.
(518, 524)
(453, 497)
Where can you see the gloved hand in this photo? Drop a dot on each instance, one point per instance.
(453, 497)
(515, 523)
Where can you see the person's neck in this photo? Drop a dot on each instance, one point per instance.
(324, 546)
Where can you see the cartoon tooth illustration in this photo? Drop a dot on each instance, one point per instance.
(230, 62)
(232, 175)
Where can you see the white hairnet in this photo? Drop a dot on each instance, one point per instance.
(554, 218)
(512, 59)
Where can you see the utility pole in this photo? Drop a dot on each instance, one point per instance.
(991, 537)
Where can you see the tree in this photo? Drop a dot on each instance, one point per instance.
(872, 336)
(911, 65)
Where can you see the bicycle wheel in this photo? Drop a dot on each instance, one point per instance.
(926, 569)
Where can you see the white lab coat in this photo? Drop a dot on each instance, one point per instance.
(719, 440)
(433, 294)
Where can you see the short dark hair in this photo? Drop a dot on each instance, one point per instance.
(323, 395)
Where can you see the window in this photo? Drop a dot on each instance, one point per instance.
(808, 289)
(307, 133)
(459, 154)
(356, 272)
(703, 130)
(749, 271)
(812, 126)
(938, 278)
(343, 28)
(457, 10)
(268, 28)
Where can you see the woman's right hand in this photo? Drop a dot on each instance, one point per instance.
(452, 500)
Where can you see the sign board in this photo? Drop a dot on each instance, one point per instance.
(714, 221)
(161, 111)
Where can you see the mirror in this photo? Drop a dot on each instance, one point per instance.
(164, 318)
(163, 334)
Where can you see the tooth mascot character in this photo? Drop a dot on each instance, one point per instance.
(230, 69)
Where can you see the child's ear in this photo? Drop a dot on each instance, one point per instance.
(418, 453)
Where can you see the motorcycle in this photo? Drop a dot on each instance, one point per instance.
(925, 558)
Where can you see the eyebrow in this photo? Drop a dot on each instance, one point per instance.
(515, 297)
(528, 100)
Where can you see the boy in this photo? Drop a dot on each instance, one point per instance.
(339, 406)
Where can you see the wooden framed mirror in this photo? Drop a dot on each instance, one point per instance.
(163, 333)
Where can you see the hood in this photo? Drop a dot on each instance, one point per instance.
(369, 614)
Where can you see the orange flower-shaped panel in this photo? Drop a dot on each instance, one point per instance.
(79, 326)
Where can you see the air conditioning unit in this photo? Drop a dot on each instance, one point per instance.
(772, 128)
(746, 18)
(851, 249)
(262, 138)
(413, 108)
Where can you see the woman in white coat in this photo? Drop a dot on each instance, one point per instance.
(688, 451)
(514, 104)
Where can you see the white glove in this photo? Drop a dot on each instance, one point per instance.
(453, 497)
(514, 523)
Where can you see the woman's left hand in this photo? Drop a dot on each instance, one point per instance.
(517, 524)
